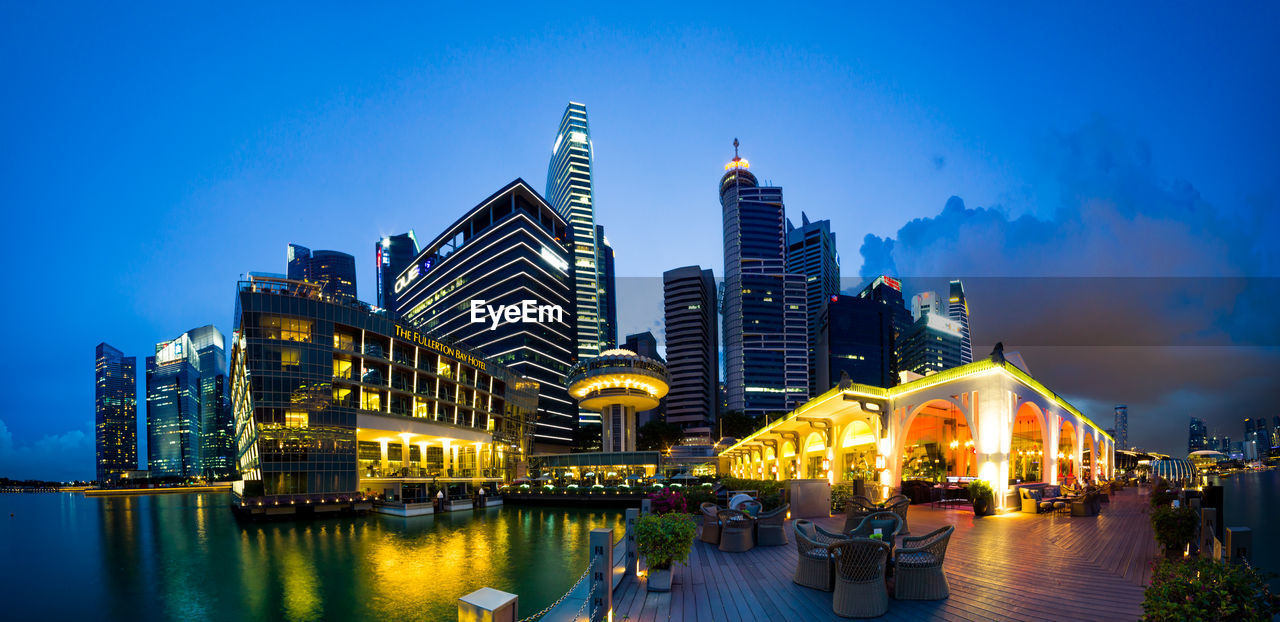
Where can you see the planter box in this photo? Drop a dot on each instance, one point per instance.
(660, 580)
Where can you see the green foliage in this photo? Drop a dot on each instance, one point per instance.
(658, 436)
(979, 489)
(840, 493)
(1202, 589)
(664, 539)
(1162, 498)
(738, 425)
(771, 492)
(1174, 527)
(668, 501)
(695, 497)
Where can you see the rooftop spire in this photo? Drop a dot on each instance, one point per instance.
(735, 147)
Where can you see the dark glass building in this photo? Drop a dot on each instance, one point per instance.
(958, 311)
(860, 338)
(500, 281)
(931, 345)
(1198, 436)
(693, 353)
(1122, 426)
(646, 345)
(392, 254)
(608, 292)
(335, 272)
(115, 409)
(811, 253)
(173, 410)
(217, 430)
(571, 193)
(765, 332)
(335, 403)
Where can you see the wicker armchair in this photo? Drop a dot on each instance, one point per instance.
(899, 504)
(917, 564)
(859, 578)
(735, 531)
(813, 568)
(710, 523)
(771, 528)
(888, 523)
(857, 508)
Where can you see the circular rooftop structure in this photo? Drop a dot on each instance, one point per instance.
(619, 377)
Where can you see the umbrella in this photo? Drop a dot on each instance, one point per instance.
(684, 476)
(544, 478)
(634, 477)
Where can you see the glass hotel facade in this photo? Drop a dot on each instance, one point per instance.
(333, 399)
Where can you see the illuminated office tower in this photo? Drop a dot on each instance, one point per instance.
(115, 413)
(693, 353)
(931, 345)
(1198, 436)
(811, 252)
(958, 311)
(1122, 426)
(335, 272)
(511, 251)
(765, 333)
(173, 410)
(391, 255)
(217, 433)
(570, 192)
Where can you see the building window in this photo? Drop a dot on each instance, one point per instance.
(295, 418)
(285, 328)
(290, 357)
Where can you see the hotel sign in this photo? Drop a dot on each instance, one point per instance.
(417, 338)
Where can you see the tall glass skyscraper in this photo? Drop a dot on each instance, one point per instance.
(811, 252)
(335, 272)
(173, 410)
(958, 311)
(765, 333)
(392, 254)
(1197, 436)
(510, 252)
(570, 191)
(693, 353)
(1122, 426)
(860, 341)
(608, 293)
(217, 429)
(115, 412)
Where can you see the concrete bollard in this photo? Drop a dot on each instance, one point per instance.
(633, 514)
(1239, 544)
(601, 605)
(644, 507)
(487, 605)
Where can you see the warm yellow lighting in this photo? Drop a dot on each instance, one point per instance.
(737, 163)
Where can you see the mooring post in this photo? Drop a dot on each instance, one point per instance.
(1239, 544)
(488, 605)
(633, 515)
(601, 603)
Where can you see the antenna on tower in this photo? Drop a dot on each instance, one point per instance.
(735, 148)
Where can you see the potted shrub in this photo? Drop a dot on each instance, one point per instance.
(663, 540)
(983, 498)
(1203, 589)
(1174, 528)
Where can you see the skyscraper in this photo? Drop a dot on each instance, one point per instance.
(608, 292)
(765, 332)
(1122, 426)
(217, 429)
(887, 291)
(693, 354)
(509, 254)
(926, 302)
(115, 412)
(1275, 431)
(392, 254)
(173, 410)
(335, 272)
(645, 344)
(1197, 437)
(860, 341)
(958, 311)
(570, 191)
(931, 345)
(811, 252)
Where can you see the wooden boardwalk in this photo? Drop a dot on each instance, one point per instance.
(1009, 567)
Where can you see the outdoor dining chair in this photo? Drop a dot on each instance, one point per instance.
(887, 522)
(859, 578)
(710, 523)
(857, 508)
(770, 527)
(917, 564)
(735, 531)
(899, 504)
(813, 567)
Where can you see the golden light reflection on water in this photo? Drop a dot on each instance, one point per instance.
(299, 585)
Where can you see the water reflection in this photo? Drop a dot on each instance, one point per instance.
(186, 557)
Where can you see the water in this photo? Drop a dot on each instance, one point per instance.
(1252, 500)
(165, 557)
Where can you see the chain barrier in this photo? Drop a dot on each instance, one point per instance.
(586, 603)
(547, 610)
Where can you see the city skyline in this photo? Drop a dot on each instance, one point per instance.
(1086, 162)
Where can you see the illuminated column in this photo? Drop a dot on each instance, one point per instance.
(404, 450)
(384, 465)
(447, 457)
(422, 456)
(1050, 462)
(991, 414)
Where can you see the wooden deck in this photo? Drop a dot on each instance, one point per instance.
(1009, 567)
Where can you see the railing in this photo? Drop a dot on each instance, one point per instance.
(590, 598)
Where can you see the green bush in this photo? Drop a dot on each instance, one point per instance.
(1162, 498)
(979, 488)
(664, 539)
(1202, 589)
(1174, 528)
(840, 493)
(771, 492)
(695, 497)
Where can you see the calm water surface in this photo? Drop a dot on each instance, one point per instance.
(1253, 500)
(186, 557)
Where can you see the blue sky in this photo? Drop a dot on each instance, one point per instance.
(152, 154)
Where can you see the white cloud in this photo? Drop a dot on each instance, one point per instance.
(61, 457)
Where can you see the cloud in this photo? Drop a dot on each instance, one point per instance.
(61, 457)
(1158, 298)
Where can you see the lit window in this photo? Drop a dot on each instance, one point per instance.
(295, 418)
